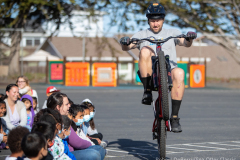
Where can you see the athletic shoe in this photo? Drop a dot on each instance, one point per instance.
(175, 125)
(103, 144)
(147, 98)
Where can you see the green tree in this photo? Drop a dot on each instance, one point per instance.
(14, 14)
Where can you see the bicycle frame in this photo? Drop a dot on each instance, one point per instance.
(158, 102)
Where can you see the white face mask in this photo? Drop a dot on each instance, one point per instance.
(92, 114)
(79, 122)
(86, 118)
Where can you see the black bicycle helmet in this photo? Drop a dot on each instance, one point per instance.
(155, 11)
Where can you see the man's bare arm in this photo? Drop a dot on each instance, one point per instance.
(184, 42)
(129, 47)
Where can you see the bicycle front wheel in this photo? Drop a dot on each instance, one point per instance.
(163, 87)
(162, 139)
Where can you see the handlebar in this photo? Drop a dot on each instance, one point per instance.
(157, 41)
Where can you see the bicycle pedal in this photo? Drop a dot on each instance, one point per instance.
(154, 136)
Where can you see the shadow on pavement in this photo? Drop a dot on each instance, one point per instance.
(140, 149)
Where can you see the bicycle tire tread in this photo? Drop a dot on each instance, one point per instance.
(162, 139)
(164, 88)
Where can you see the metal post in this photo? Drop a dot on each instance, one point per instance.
(64, 70)
(47, 70)
(90, 63)
(133, 71)
(117, 71)
(83, 48)
(205, 64)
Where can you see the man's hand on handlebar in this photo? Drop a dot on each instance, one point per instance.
(191, 35)
(125, 41)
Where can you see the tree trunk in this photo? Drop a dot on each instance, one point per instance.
(15, 52)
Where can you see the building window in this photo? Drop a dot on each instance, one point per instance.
(124, 66)
(29, 42)
(36, 42)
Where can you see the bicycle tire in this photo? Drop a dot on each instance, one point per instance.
(164, 85)
(162, 139)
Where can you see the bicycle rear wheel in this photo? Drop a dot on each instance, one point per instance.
(161, 139)
(163, 87)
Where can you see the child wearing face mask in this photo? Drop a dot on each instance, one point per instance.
(89, 127)
(55, 144)
(34, 146)
(28, 101)
(66, 132)
(77, 117)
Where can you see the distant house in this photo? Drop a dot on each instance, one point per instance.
(96, 49)
(220, 64)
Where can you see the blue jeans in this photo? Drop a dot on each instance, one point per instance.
(95, 152)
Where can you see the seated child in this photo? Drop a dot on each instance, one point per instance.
(48, 132)
(49, 91)
(77, 117)
(56, 146)
(3, 135)
(28, 101)
(35, 103)
(15, 137)
(70, 116)
(89, 127)
(66, 133)
(34, 146)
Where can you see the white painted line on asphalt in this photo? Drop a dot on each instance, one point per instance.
(224, 144)
(235, 141)
(144, 149)
(126, 152)
(204, 146)
(149, 150)
(185, 149)
(207, 150)
(201, 143)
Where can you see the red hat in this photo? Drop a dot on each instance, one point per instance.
(52, 89)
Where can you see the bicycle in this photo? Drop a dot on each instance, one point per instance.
(162, 83)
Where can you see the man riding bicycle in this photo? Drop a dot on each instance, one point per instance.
(156, 14)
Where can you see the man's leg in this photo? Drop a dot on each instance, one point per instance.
(145, 68)
(177, 95)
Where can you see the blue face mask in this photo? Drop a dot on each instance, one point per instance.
(66, 137)
(79, 122)
(59, 131)
(86, 118)
(92, 114)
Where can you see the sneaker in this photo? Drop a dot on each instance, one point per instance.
(175, 125)
(103, 144)
(147, 98)
(106, 152)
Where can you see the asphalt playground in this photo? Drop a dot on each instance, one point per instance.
(209, 118)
